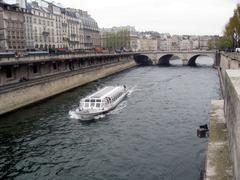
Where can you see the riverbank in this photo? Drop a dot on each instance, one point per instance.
(21, 96)
(218, 165)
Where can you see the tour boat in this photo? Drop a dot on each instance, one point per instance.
(101, 102)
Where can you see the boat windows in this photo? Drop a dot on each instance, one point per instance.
(87, 100)
(98, 100)
(92, 102)
(98, 105)
(86, 104)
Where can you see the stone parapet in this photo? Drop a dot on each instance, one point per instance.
(232, 115)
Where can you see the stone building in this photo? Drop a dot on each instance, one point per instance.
(185, 45)
(44, 25)
(148, 44)
(73, 29)
(29, 30)
(90, 30)
(164, 42)
(12, 29)
(68, 27)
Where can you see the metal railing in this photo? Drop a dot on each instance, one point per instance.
(56, 57)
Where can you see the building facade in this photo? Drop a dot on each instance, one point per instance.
(148, 44)
(73, 29)
(91, 32)
(44, 25)
(12, 28)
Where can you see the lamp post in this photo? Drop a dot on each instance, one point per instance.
(235, 38)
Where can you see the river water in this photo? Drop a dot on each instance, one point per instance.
(150, 135)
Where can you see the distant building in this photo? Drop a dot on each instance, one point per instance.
(203, 42)
(164, 42)
(175, 42)
(148, 44)
(185, 45)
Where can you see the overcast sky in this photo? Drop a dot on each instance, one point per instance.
(200, 17)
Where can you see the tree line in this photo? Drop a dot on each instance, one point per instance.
(231, 34)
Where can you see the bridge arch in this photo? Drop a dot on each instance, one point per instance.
(192, 60)
(165, 59)
(143, 60)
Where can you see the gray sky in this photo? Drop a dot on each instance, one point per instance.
(198, 17)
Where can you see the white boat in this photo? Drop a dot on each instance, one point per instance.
(101, 102)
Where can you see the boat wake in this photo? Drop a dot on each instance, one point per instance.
(100, 116)
(73, 114)
(131, 90)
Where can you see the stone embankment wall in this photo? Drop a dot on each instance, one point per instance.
(232, 115)
(21, 97)
(229, 72)
(227, 61)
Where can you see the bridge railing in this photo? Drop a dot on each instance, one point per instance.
(171, 52)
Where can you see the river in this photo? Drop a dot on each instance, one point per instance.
(150, 135)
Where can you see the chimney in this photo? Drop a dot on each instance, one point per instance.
(21, 3)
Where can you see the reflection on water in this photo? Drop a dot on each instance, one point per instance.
(150, 135)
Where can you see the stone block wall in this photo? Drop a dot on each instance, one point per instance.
(232, 115)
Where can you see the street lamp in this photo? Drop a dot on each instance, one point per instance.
(236, 38)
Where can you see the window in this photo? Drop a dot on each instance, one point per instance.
(35, 69)
(92, 102)
(9, 72)
(54, 66)
(98, 105)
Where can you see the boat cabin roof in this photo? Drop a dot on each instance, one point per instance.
(107, 91)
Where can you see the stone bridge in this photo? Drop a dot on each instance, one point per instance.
(164, 57)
